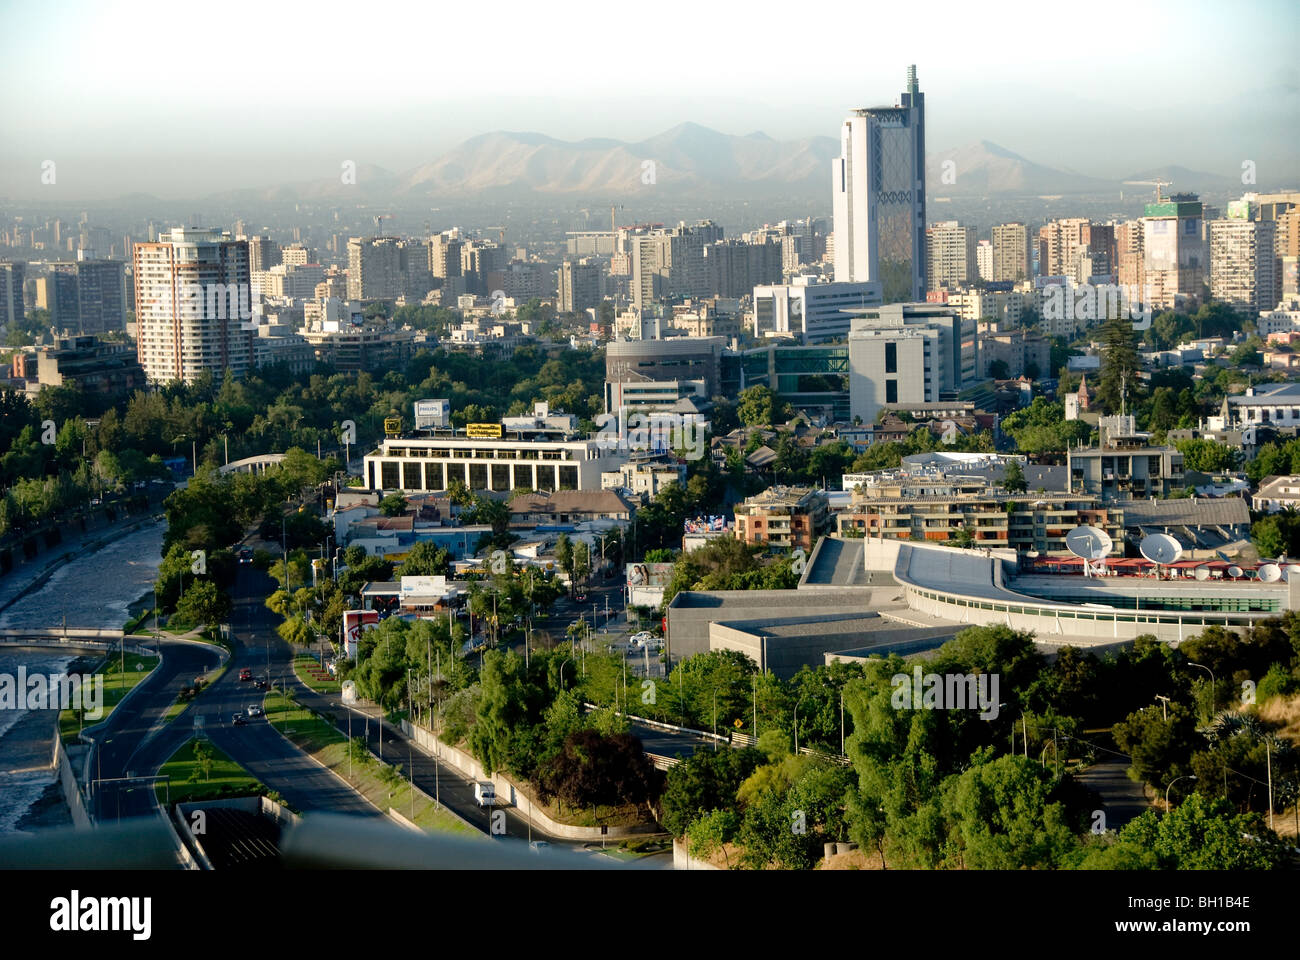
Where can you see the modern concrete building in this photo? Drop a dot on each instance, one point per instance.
(679, 359)
(191, 287)
(942, 509)
(420, 464)
(351, 348)
(909, 353)
(809, 311)
(878, 197)
(1125, 464)
(94, 366)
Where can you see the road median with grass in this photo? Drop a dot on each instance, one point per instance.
(200, 771)
(381, 784)
(117, 684)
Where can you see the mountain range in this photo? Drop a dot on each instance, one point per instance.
(690, 160)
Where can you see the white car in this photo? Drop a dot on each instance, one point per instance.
(254, 710)
(641, 639)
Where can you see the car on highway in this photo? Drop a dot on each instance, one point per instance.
(640, 639)
(260, 683)
(238, 719)
(246, 555)
(245, 674)
(485, 793)
(254, 710)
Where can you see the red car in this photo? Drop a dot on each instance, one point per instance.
(246, 674)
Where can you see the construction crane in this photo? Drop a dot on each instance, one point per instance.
(1157, 183)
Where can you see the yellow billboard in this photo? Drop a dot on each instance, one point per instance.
(483, 431)
(393, 426)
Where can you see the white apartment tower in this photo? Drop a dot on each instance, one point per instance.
(878, 197)
(192, 305)
(1243, 264)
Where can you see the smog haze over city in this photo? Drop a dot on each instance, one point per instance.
(631, 437)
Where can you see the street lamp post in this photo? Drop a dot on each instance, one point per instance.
(1214, 690)
(1170, 787)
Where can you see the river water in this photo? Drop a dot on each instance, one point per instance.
(94, 590)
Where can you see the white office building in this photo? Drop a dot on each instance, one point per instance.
(878, 197)
(810, 311)
(909, 353)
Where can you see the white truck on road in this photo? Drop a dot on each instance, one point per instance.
(485, 793)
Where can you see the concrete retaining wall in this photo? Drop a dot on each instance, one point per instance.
(68, 785)
(508, 793)
(682, 860)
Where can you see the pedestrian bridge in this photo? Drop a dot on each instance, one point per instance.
(252, 464)
(78, 638)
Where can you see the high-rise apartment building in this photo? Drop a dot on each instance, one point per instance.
(56, 292)
(263, 254)
(1010, 252)
(1128, 254)
(950, 255)
(878, 197)
(11, 292)
(1243, 264)
(984, 260)
(580, 285)
(444, 255)
(736, 267)
(296, 254)
(670, 263)
(375, 268)
(191, 287)
(1060, 243)
(101, 295)
(1173, 253)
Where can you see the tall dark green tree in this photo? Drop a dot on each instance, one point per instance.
(1119, 366)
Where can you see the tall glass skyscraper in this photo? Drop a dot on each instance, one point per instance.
(878, 197)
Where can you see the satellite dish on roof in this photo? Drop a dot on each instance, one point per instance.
(1269, 573)
(1234, 571)
(1291, 570)
(1089, 543)
(1160, 548)
(1202, 573)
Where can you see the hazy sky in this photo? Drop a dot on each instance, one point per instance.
(180, 99)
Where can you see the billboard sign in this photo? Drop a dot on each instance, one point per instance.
(354, 623)
(483, 431)
(424, 586)
(649, 574)
(432, 413)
